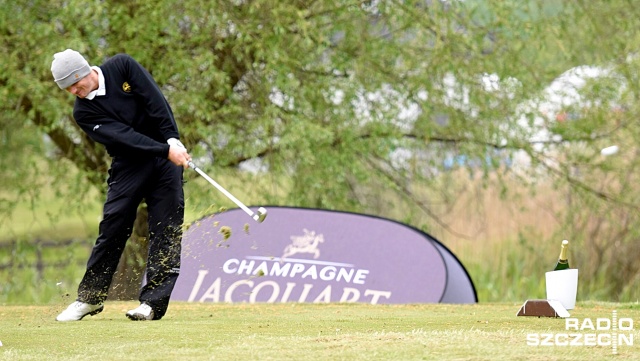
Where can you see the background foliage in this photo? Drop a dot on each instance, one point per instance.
(380, 107)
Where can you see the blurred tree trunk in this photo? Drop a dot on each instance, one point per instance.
(128, 277)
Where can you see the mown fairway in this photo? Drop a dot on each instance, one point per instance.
(303, 332)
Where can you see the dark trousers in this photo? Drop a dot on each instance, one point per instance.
(159, 182)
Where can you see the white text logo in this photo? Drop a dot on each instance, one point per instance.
(609, 332)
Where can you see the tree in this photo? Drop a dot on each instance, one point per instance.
(336, 100)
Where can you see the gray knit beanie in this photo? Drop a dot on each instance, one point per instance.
(69, 67)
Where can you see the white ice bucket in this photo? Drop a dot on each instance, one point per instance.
(562, 286)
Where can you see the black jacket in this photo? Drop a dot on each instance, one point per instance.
(133, 119)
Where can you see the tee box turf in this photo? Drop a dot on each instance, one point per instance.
(543, 308)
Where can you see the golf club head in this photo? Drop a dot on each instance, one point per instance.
(261, 215)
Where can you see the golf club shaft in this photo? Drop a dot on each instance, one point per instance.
(221, 189)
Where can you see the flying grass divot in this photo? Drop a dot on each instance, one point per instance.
(225, 231)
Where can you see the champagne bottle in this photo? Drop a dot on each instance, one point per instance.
(563, 261)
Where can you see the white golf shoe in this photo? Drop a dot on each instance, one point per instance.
(77, 310)
(143, 312)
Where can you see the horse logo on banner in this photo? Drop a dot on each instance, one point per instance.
(304, 244)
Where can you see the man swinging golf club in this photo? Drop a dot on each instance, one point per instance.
(119, 105)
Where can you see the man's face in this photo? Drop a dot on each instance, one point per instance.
(82, 88)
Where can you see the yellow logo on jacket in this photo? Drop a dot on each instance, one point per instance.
(126, 87)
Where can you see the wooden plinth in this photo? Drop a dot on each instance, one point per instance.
(543, 308)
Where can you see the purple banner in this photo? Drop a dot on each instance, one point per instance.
(313, 255)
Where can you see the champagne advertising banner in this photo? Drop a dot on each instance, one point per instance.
(318, 256)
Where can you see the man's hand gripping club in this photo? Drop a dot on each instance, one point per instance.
(178, 154)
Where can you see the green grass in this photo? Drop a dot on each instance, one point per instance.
(301, 332)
